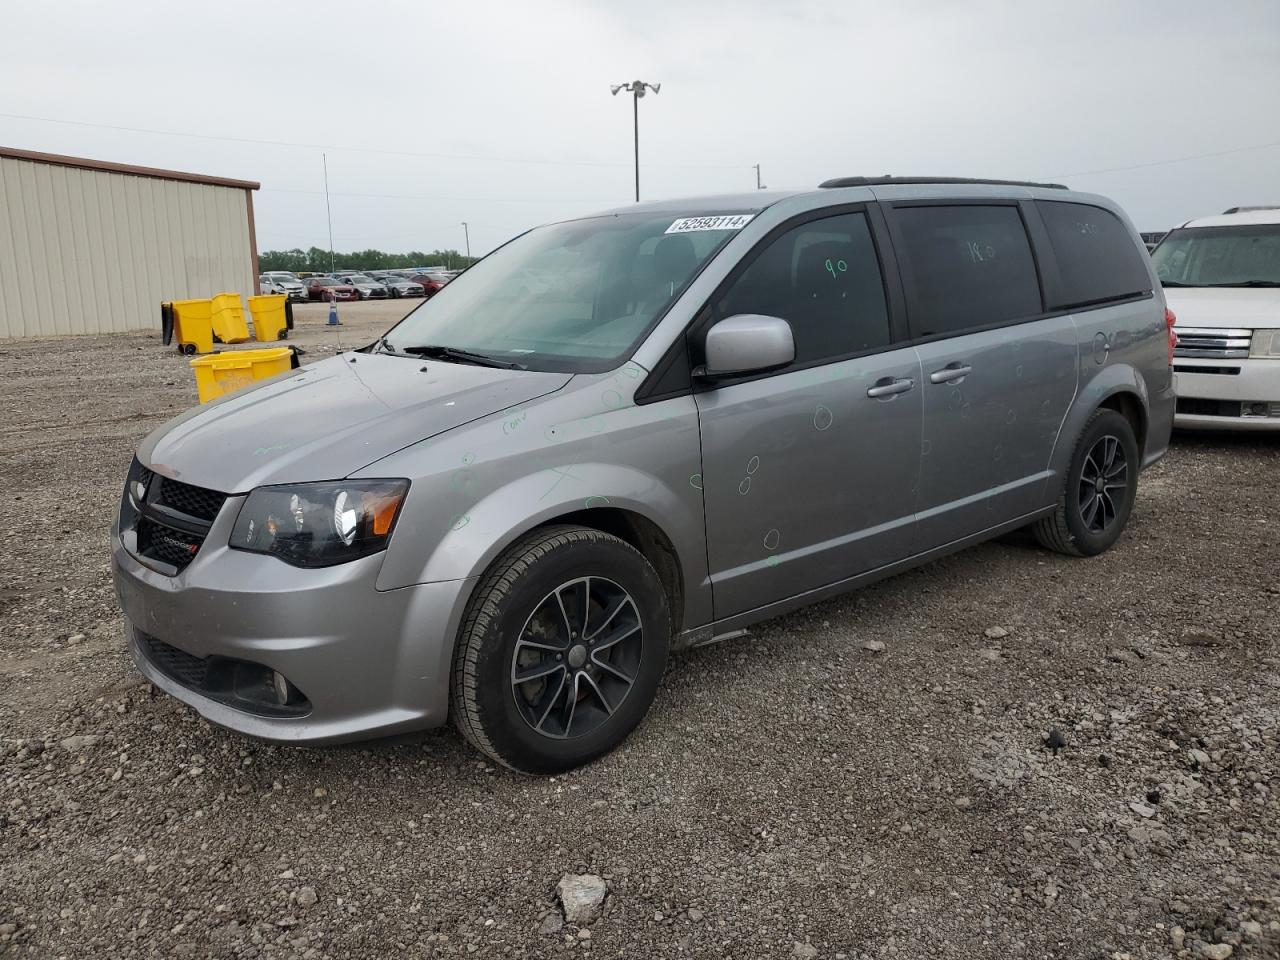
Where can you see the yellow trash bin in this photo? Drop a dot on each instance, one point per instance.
(192, 325)
(228, 319)
(230, 370)
(267, 312)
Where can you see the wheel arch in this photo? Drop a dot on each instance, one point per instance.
(1117, 387)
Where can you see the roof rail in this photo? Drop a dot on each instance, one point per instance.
(890, 181)
(1249, 209)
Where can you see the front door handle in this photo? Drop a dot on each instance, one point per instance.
(890, 387)
(950, 373)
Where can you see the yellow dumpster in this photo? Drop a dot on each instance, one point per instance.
(191, 324)
(228, 319)
(230, 370)
(269, 322)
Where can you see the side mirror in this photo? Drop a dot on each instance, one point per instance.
(747, 343)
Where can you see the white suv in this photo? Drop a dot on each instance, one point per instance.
(1222, 279)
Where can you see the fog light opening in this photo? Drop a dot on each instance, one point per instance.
(282, 687)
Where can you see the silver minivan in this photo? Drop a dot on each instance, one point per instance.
(626, 434)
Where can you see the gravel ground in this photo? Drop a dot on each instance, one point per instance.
(801, 792)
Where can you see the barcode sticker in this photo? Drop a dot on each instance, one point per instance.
(734, 221)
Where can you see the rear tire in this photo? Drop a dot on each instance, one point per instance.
(1098, 492)
(561, 650)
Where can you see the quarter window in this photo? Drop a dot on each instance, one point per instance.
(823, 277)
(970, 267)
(1098, 259)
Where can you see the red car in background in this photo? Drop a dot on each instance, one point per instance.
(432, 280)
(327, 288)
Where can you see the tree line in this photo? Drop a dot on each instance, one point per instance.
(316, 260)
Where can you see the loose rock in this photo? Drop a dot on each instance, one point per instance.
(581, 895)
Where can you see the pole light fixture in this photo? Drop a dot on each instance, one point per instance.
(637, 90)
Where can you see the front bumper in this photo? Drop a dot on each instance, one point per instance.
(368, 662)
(1227, 394)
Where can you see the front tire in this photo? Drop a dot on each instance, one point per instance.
(561, 650)
(1098, 494)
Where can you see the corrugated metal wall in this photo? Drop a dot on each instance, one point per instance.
(88, 251)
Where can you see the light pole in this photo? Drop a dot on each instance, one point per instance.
(636, 88)
(467, 235)
(759, 185)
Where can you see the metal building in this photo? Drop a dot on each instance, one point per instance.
(93, 247)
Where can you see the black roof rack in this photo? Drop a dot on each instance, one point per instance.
(1247, 209)
(891, 181)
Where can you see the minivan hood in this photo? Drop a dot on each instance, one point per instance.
(1242, 307)
(327, 420)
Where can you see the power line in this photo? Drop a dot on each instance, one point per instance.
(1161, 163)
(369, 150)
(416, 196)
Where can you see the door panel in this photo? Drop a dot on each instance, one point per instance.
(988, 435)
(806, 479)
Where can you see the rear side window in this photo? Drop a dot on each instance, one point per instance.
(970, 267)
(823, 277)
(1097, 258)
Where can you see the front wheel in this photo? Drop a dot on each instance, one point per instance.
(1101, 485)
(561, 651)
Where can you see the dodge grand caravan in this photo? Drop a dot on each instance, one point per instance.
(1222, 277)
(630, 433)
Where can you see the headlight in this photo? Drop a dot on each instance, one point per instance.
(1265, 343)
(320, 524)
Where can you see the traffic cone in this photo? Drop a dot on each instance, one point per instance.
(333, 313)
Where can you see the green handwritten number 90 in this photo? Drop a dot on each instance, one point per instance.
(836, 268)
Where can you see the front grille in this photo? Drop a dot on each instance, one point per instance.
(172, 522)
(1211, 343)
(193, 501)
(188, 670)
(177, 548)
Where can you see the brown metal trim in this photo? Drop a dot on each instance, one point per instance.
(154, 172)
(253, 241)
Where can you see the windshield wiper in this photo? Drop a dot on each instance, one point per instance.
(1241, 283)
(457, 355)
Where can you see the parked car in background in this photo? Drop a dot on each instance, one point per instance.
(327, 288)
(401, 287)
(711, 412)
(293, 289)
(366, 287)
(432, 281)
(1221, 276)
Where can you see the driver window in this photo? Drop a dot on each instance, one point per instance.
(823, 277)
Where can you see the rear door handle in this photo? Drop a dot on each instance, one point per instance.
(950, 373)
(890, 387)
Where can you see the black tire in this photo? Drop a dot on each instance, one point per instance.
(1084, 527)
(503, 615)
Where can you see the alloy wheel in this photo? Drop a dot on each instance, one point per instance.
(577, 657)
(1104, 484)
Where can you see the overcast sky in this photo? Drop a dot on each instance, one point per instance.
(500, 113)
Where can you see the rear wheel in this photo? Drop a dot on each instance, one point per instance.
(1098, 494)
(561, 650)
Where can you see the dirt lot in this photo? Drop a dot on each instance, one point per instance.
(792, 793)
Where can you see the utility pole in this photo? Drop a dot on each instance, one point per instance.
(759, 185)
(327, 211)
(637, 90)
(467, 234)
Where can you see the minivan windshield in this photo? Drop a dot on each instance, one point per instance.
(573, 297)
(1244, 256)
